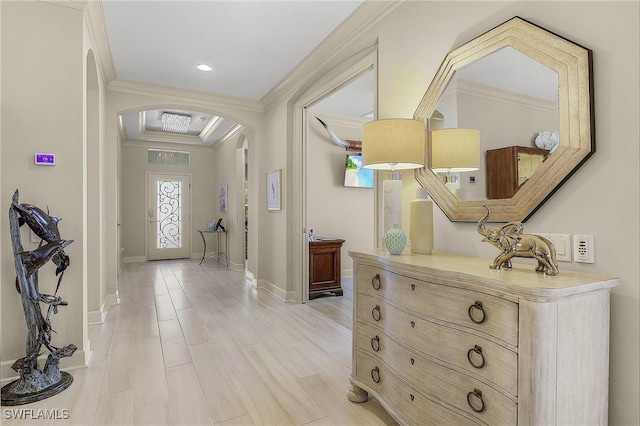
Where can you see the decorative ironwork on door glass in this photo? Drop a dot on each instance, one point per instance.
(169, 214)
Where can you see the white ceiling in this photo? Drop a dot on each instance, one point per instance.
(251, 46)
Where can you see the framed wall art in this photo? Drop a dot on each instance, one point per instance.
(223, 198)
(274, 187)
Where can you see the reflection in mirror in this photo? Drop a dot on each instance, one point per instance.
(510, 99)
(529, 93)
(454, 151)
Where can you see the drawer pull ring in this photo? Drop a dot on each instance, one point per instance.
(375, 313)
(411, 396)
(478, 395)
(413, 361)
(375, 375)
(477, 306)
(375, 344)
(413, 324)
(375, 282)
(477, 349)
(413, 287)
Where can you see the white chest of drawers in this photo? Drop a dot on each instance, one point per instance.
(443, 339)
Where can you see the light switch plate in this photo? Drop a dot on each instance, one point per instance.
(562, 244)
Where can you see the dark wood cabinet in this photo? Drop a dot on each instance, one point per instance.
(324, 267)
(508, 168)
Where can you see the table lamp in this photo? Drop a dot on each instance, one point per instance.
(393, 144)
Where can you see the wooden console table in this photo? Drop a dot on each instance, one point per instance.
(324, 267)
(444, 339)
(220, 251)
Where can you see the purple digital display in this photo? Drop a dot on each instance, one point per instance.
(43, 159)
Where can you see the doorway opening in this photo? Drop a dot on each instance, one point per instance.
(168, 216)
(357, 81)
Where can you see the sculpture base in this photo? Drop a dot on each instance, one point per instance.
(9, 398)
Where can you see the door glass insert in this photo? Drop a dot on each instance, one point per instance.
(169, 214)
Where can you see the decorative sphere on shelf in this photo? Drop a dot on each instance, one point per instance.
(395, 240)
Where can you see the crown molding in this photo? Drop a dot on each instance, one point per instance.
(73, 4)
(322, 56)
(167, 146)
(340, 120)
(482, 91)
(231, 135)
(94, 16)
(193, 98)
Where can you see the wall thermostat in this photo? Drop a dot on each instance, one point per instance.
(43, 159)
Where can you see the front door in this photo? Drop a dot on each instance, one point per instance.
(168, 216)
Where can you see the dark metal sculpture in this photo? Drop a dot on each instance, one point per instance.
(513, 243)
(37, 383)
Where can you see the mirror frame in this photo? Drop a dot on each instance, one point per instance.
(576, 122)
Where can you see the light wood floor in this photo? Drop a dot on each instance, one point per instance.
(196, 345)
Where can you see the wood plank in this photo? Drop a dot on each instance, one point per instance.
(220, 393)
(150, 383)
(174, 347)
(188, 403)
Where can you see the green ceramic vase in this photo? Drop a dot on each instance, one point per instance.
(395, 240)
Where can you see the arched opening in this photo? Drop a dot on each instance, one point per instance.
(242, 174)
(148, 149)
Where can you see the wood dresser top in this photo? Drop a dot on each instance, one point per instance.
(473, 273)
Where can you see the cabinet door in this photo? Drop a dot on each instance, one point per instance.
(324, 264)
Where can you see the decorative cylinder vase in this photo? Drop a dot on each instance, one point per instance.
(395, 240)
(421, 223)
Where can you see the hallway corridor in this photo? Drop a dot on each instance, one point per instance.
(196, 345)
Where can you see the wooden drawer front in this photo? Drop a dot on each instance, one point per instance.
(494, 316)
(444, 384)
(437, 341)
(410, 405)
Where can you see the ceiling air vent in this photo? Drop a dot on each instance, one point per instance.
(175, 123)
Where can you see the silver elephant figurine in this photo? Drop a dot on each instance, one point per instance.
(513, 243)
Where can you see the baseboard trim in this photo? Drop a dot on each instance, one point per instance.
(78, 360)
(251, 279)
(273, 289)
(134, 259)
(236, 266)
(94, 317)
(97, 317)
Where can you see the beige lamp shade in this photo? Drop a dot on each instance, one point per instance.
(455, 150)
(393, 144)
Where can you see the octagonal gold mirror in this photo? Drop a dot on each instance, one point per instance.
(528, 94)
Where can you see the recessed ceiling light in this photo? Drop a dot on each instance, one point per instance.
(204, 67)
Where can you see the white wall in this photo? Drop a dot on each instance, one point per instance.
(228, 167)
(333, 209)
(46, 40)
(274, 260)
(414, 39)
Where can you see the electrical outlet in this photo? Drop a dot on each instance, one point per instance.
(583, 249)
(562, 244)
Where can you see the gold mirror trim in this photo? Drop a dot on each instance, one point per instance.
(573, 63)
